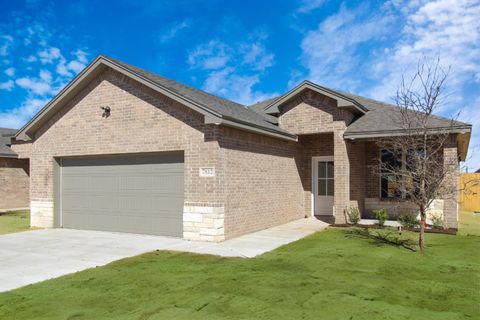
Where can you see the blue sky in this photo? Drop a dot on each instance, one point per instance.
(242, 50)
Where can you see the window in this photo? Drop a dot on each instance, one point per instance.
(325, 178)
(394, 185)
(390, 183)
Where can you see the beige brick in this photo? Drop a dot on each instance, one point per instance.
(14, 183)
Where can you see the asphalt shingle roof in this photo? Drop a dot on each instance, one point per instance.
(259, 108)
(5, 135)
(384, 117)
(226, 108)
(380, 117)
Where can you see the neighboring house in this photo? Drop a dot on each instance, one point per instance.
(14, 175)
(124, 149)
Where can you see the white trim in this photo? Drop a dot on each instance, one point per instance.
(323, 158)
(60, 200)
(342, 101)
(315, 177)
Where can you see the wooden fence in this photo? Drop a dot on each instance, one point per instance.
(469, 195)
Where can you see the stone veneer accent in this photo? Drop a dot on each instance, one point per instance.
(395, 208)
(203, 223)
(436, 209)
(41, 213)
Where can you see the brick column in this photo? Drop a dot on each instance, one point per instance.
(450, 209)
(341, 173)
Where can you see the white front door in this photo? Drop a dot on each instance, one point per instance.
(323, 185)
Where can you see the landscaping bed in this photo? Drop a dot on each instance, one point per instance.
(372, 226)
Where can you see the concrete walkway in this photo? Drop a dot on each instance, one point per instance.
(388, 223)
(37, 255)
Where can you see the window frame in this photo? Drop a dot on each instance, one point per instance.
(403, 196)
(329, 191)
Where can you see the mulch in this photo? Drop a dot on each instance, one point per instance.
(369, 226)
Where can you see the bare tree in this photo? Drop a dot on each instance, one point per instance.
(414, 158)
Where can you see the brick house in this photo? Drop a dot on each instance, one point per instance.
(14, 179)
(123, 149)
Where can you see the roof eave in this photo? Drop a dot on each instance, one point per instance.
(8, 155)
(235, 123)
(390, 133)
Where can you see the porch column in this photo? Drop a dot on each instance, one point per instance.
(450, 201)
(341, 173)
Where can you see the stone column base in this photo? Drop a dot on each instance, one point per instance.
(41, 213)
(203, 223)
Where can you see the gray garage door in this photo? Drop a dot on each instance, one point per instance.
(138, 194)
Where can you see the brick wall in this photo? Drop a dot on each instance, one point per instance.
(341, 173)
(262, 181)
(358, 170)
(450, 203)
(14, 183)
(372, 184)
(311, 112)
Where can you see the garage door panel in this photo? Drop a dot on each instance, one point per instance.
(127, 223)
(124, 194)
(102, 183)
(75, 183)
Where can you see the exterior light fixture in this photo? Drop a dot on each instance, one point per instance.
(106, 112)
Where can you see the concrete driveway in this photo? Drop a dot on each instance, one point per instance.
(34, 256)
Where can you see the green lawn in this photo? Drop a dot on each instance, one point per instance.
(14, 221)
(333, 274)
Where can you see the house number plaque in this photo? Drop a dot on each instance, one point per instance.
(207, 172)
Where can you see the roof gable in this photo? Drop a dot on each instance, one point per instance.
(342, 100)
(215, 109)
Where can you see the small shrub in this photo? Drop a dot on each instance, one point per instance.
(381, 215)
(437, 221)
(353, 215)
(408, 220)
